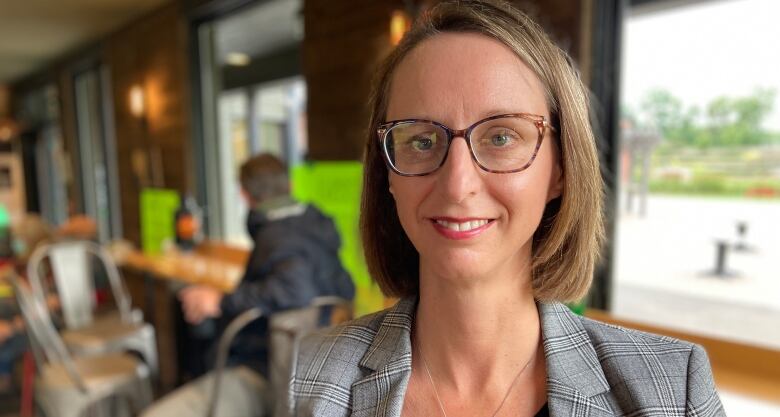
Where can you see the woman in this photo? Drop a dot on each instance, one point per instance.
(483, 232)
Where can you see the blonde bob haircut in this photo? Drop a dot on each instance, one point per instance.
(567, 241)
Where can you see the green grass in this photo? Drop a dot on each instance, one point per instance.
(718, 185)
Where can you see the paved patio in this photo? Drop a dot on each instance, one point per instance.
(663, 263)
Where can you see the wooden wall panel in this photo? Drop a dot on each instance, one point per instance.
(342, 47)
(151, 53)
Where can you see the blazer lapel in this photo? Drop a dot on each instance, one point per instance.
(575, 379)
(389, 362)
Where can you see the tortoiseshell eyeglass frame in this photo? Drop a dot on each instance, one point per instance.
(541, 123)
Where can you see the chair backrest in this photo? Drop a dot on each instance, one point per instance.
(223, 348)
(286, 328)
(71, 267)
(46, 342)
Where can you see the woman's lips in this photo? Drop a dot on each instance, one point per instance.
(460, 228)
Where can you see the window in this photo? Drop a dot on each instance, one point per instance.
(267, 118)
(48, 179)
(253, 100)
(97, 156)
(698, 240)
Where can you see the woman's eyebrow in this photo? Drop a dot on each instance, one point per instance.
(500, 111)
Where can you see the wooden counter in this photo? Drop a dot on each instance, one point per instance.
(198, 267)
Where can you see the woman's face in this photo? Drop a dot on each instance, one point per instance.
(458, 79)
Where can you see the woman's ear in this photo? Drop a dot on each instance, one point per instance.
(555, 188)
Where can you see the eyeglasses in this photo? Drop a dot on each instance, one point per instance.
(500, 144)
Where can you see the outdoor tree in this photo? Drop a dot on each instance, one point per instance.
(726, 121)
(738, 121)
(662, 110)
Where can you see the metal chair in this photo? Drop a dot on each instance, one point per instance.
(69, 387)
(85, 333)
(286, 329)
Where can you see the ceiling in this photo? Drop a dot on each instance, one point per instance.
(33, 33)
(259, 30)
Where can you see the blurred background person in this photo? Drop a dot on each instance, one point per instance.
(294, 259)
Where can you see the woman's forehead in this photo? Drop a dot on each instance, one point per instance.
(460, 76)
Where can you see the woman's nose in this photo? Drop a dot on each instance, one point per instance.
(459, 177)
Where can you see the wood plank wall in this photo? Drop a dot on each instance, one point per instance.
(342, 47)
(151, 53)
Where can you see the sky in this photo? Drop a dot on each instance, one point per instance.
(702, 51)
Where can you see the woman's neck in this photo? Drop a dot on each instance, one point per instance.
(478, 334)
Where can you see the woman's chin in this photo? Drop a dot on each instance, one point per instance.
(460, 271)
(463, 267)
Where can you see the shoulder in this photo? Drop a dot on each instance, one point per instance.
(305, 226)
(649, 370)
(352, 336)
(616, 341)
(328, 362)
(565, 331)
(283, 237)
(631, 372)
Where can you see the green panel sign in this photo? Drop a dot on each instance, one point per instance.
(335, 187)
(158, 207)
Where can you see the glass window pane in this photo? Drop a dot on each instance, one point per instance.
(698, 240)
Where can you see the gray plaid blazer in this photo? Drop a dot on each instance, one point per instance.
(593, 369)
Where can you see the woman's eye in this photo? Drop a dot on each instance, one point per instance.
(501, 139)
(423, 143)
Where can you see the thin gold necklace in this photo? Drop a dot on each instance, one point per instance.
(436, 392)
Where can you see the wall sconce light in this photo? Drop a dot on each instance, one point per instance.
(137, 104)
(8, 127)
(237, 59)
(399, 25)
